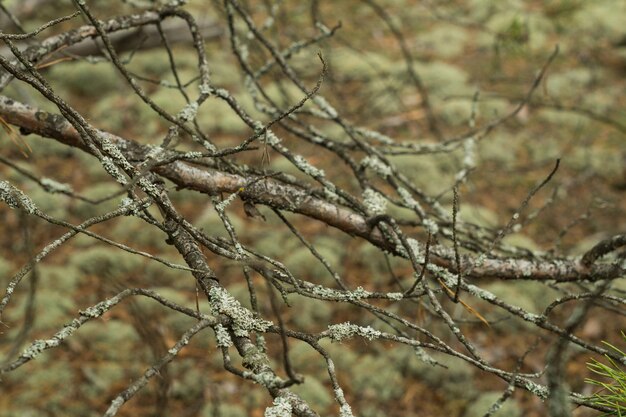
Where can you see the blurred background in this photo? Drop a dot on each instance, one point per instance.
(476, 59)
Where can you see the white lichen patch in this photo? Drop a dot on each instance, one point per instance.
(270, 138)
(396, 296)
(225, 203)
(304, 166)
(222, 336)
(423, 356)
(347, 330)
(281, 408)
(53, 186)
(469, 160)
(325, 107)
(16, 199)
(244, 320)
(376, 165)
(374, 202)
(408, 199)
(372, 134)
(431, 226)
(188, 112)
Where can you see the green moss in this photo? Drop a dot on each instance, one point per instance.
(6, 267)
(361, 65)
(113, 340)
(520, 240)
(303, 264)
(188, 379)
(85, 79)
(432, 173)
(106, 262)
(54, 205)
(100, 376)
(375, 380)
(309, 314)
(455, 377)
(217, 115)
(443, 79)
(444, 40)
(478, 215)
(456, 112)
(315, 393)
(210, 222)
(96, 192)
(59, 278)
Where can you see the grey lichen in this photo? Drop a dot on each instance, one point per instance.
(344, 409)
(99, 309)
(223, 338)
(225, 203)
(188, 112)
(244, 320)
(16, 199)
(281, 408)
(307, 168)
(374, 202)
(376, 165)
(347, 330)
(431, 226)
(53, 186)
(325, 107)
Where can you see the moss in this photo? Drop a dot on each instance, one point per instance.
(217, 115)
(315, 393)
(49, 386)
(210, 222)
(362, 65)
(528, 295)
(95, 192)
(308, 314)
(444, 40)
(106, 262)
(455, 377)
(304, 265)
(456, 112)
(599, 19)
(483, 402)
(6, 268)
(570, 84)
(59, 278)
(112, 340)
(520, 240)
(188, 379)
(375, 380)
(478, 215)
(85, 79)
(443, 79)
(54, 205)
(100, 376)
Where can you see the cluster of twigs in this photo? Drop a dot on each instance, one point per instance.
(449, 257)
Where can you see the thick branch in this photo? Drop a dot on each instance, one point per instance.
(298, 200)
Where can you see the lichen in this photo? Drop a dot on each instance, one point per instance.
(188, 112)
(223, 338)
(281, 408)
(307, 168)
(377, 165)
(347, 330)
(374, 202)
(53, 186)
(243, 319)
(16, 199)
